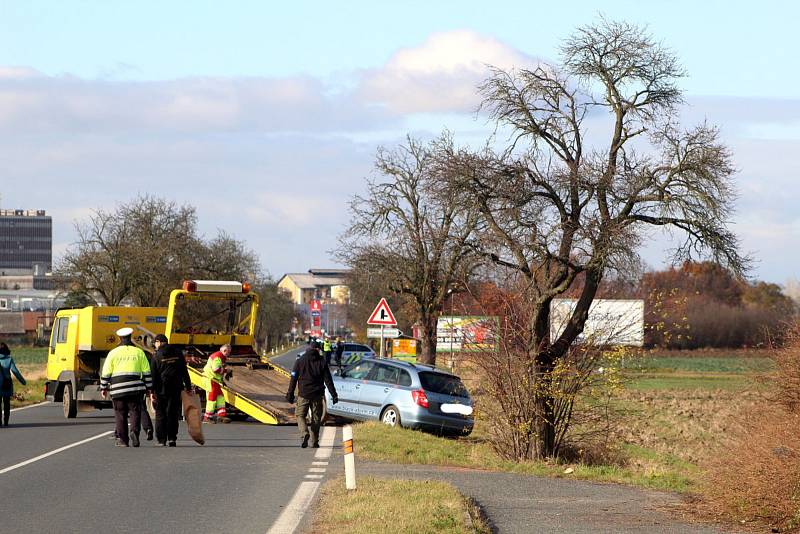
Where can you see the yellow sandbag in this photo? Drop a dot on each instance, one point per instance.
(191, 414)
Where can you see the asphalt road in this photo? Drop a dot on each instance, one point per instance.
(240, 481)
(287, 360)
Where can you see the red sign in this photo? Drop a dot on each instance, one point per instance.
(316, 306)
(382, 315)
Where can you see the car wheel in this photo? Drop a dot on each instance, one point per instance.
(391, 416)
(69, 402)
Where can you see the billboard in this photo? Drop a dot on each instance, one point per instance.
(610, 322)
(466, 334)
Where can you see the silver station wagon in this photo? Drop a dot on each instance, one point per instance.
(402, 393)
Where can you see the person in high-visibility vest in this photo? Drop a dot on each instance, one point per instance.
(126, 376)
(327, 349)
(215, 400)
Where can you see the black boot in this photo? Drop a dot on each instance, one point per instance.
(134, 439)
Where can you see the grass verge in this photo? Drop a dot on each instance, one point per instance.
(31, 393)
(374, 441)
(395, 505)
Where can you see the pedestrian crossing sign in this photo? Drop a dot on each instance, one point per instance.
(382, 315)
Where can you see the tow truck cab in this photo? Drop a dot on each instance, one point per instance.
(79, 343)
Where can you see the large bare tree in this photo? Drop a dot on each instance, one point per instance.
(143, 249)
(596, 159)
(413, 236)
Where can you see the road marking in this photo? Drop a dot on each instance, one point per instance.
(51, 453)
(291, 516)
(326, 443)
(317, 470)
(319, 463)
(30, 406)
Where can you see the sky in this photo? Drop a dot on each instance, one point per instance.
(266, 117)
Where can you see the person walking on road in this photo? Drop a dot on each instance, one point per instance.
(215, 400)
(339, 352)
(147, 421)
(170, 377)
(310, 375)
(7, 367)
(126, 376)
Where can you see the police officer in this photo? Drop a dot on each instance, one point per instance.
(126, 376)
(170, 377)
(327, 348)
(310, 375)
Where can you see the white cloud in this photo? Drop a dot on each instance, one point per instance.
(440, 75)
(32, 103)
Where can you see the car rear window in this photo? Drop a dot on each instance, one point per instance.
(444, 384)
(352, 347)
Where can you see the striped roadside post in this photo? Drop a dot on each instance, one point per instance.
(349, 458)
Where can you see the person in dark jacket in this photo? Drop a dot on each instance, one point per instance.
(311, 375)
(170, 377)
(146, 420)
(339, 351)
(7, 367)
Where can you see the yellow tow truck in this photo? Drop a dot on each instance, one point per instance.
(201, 316)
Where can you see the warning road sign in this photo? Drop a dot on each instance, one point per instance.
(382, 315)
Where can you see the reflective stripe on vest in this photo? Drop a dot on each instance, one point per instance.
(126, 371)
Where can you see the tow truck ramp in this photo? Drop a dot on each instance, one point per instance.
(257, 390)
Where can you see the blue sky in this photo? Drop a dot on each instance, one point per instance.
(211, 102)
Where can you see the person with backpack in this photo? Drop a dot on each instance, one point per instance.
(7, 367)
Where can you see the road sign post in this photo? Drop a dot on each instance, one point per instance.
(382, 316)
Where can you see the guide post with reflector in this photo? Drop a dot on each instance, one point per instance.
(349, 458)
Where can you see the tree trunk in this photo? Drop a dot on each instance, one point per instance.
(428, 352)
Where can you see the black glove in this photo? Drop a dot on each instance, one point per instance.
(229, 373)
(334, 399)
(290, 398)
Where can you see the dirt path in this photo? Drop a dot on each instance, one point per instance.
(526, 504)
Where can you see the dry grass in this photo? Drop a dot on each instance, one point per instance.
(393, 506)
(754, 475)
(684, 424)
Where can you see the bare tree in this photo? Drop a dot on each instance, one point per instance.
(97, 264)
(560, 208)
(226, 258)
(275, 313)
(144, 249)
(163, 242)
(416, 237)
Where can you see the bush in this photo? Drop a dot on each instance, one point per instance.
(756, 477)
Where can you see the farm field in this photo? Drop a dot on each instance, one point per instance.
(672, 414)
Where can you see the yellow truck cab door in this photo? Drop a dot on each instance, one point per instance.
(62, 360)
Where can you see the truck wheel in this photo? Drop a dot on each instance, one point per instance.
(69, 402)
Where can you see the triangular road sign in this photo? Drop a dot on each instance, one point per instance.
(382, 315)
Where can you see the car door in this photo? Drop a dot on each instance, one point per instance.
(348, 388)
(379, 384)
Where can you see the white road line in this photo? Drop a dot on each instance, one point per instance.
(291, 516)
(30, 406)
(326, 443)
(51, 453)
(319, 463)
(317, 470)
